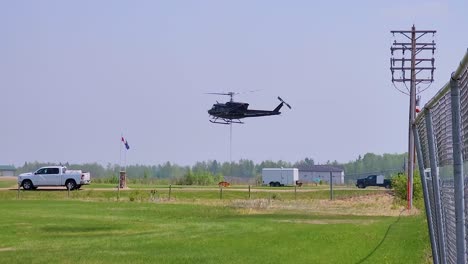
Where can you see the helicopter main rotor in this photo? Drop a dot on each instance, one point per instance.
(231, 94)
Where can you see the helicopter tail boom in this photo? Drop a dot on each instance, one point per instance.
(278, 108)
(281, 105)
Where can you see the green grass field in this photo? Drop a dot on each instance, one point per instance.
(7, 183)
(45, 227)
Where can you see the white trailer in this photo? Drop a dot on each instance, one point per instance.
(276, 177)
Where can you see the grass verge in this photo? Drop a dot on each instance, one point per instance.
(57, 231)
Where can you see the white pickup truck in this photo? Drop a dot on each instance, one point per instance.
(54, 176)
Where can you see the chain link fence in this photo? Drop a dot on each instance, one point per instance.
(441, 136)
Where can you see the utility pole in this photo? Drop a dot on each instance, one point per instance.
(418, 49)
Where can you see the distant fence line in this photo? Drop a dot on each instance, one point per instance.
(177, 192)
(441, 137)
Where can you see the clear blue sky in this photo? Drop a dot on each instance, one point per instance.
(74, 75)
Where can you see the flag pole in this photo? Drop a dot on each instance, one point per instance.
(123, 169)
(120, 165)
(120, 152)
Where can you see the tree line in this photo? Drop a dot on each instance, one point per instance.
(213, 170)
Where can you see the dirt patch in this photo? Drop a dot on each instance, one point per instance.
(7, 249)
(371, 205)
(8, 178)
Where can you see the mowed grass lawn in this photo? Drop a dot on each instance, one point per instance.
(71, 231)
(8, 183)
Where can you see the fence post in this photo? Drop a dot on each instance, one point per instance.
(18, 194)
(170, 190)
(419, 155)
(331, 186)
(221, 192)
(249, 192)
(435, 184)
(295, 192)
(458, 171)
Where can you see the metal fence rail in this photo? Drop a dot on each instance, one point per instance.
(441, 136)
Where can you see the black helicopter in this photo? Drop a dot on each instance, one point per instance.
(231, 112)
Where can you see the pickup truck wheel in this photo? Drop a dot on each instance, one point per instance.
(361, 186)
(27, 185)
(70, 184)
(387, 186)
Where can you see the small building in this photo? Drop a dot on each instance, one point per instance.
(7, 170)
(317, 173)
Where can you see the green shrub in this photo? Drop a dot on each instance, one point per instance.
(399, 184)
(114, 179)
(276, 196)
(199, 178)
(138, 195)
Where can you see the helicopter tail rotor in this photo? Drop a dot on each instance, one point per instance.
(282, 101)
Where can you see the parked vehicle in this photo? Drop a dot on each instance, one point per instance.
(224, 184)
(54, 176)
(374, 180)
(275, 177)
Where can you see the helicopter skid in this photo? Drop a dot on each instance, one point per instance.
(226, 121)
